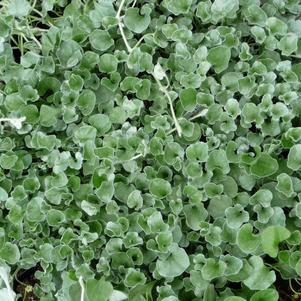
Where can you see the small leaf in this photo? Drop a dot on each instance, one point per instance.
(159, 188)
(135, 21)
(213, 269)
(174, 265)
(101, 40)
(294, 157)
(178, 7)
(264, 166)
(246, 240)
(3, 195)
(265, 295)
(86, 102)
(108, 63)
(219, 58)
(10, 253)
(188, 99)
(18, 8)
(260, 278)
(271, 237)
(288, 44)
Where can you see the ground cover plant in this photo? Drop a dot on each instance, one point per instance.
(150, 150)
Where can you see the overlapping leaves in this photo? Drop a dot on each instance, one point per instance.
(150, 151)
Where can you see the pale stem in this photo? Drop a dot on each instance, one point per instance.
(120, 9)
(130, 49)
(200, 114)
(141, 39)
(120, 25)
(176, 122)
(135, 157)
(82, 286)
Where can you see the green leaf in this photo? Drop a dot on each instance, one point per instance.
(136, 21)
(101, 10)
(108, 63)
(55, 217)
(236, 216)
(18, 8)
(48, 116)
(159, 188)
(246, 240)
(195, 215)
(188, 99)
(264, 166)
(260, 278)
(255, 15)
(224, 8)
(219, 58)
(265, 295)
(285, 185)
(10, 253)
(271, 237)
(86, 102)
(197, 151)
(294, 157)
(101, 122)
(276, 26)
(134, 278)
(84, 133)
(174, 265)
(101, 40)
(178, 7)
(218, 161)
(8, 161)
(288, 44)
(69, 53)
(3, 195)
(213, 269)
(106, 191)
(96, 290)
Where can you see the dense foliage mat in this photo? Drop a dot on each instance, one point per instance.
(150, 150)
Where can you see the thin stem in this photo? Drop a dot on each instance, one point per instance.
(128, 47)
(37, 29)
(176, 122)
(33, 37)
(135, 157)
(200, 114)
(120, 25)
(13, 39)
(37, 42)
(34, 4)
(141, 39)
(16, 277)
(25, 295)
(82, 286)
(291, 287)
(120, 9)
(134, 3)
(20, 40)
(38, 13)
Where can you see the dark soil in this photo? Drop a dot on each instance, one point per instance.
(26, 280)
(285, 291)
